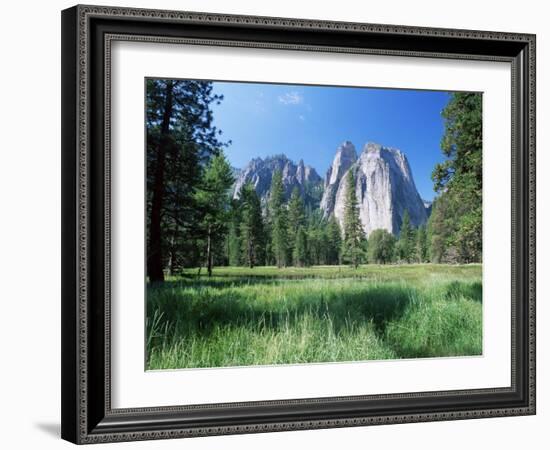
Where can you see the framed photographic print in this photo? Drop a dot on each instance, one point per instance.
(278, 224)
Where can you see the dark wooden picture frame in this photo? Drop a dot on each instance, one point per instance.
(87, 33)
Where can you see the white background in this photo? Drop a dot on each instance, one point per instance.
(30, 225)
(133, 387)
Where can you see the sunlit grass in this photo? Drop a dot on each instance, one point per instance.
(266, 315)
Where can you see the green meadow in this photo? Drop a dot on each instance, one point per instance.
(266, 315)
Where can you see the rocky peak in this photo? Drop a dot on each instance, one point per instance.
(311, 174)
(392, 156)
(345, 156)
(260, 173)
(385, 190)
(343, 159)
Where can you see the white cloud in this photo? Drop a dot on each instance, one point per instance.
(291, 98)
(302, 117)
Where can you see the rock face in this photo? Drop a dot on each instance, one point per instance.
(260, 172)
(343, 160)
(383, 183)
(384, 186)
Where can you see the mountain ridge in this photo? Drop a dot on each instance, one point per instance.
(259, 172)
(384, 186)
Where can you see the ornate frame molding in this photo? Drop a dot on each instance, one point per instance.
(85, 422)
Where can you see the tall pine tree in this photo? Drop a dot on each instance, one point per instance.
(421, 245)
(333, 241)
(354, 236)
(278, 220)
(406, 241)
(299, 253)
(251, 229)
(296, 221)
(181, 139)
(440, 230)
(213, 199)
(233, 234)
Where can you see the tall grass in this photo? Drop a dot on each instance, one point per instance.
(271, 316)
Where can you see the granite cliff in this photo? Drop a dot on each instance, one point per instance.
(383, 183)
(260, 172)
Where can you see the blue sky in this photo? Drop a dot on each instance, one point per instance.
(310, 122)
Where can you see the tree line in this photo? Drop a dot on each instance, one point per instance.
(194, 221)
(186, 170)
(285, 234)
(239, 232)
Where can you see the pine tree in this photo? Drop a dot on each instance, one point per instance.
(315, 244)
(440, 231)
(212, 199)
(299, 254)
(354, 237)
(278, 218)
(406, 239)
(181, 139)
(269, 258)
(233, 245)
(333, 241)
(296, 219)
(421, 245)
(233, 234)
(457, 232)
(296, 210)
(251, 228)
(316, 238)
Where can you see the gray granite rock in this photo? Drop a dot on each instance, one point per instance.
(260, 172)
(384, 186)
(343, 160)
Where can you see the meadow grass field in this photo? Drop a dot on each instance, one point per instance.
(265, 315)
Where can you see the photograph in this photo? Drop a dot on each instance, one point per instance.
(276, 220)
(295, 224)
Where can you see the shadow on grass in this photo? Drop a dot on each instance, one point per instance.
(203, 309)
(471, 290)
(231, 281)
(239, 318)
